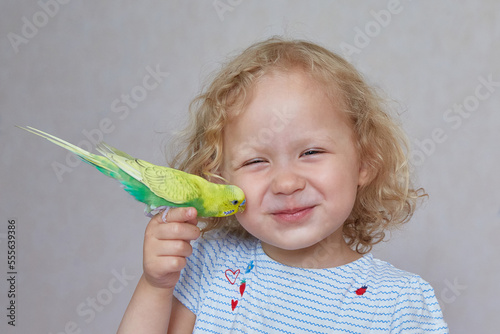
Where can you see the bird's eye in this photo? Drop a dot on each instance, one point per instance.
(234, 202)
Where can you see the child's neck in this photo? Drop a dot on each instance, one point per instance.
(329, 253)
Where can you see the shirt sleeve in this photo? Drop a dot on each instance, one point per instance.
(417, 309)
(195, 277)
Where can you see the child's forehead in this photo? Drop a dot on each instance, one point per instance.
(263, 125)
(259, 142)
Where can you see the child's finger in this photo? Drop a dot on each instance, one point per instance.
(176, 231)
(179, 215)
(178, 248)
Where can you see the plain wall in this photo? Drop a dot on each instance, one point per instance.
(81, 70)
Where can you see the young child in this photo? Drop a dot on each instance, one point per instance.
(324, 172)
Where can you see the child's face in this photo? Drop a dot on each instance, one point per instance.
(293, 153)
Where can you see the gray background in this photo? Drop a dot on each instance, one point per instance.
(67, 69)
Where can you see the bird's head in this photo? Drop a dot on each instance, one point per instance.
(236, 201)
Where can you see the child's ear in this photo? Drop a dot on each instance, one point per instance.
(365, 174)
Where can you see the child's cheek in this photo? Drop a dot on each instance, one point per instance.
(242, 218)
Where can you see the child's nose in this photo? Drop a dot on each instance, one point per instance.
(286, 182)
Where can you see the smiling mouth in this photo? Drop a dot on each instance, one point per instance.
(294, 214)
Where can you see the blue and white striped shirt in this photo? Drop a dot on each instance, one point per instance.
(232, 286)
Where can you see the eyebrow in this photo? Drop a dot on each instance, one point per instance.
(238, 154)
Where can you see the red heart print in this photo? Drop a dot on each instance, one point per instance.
(233, 304)
(233, 275)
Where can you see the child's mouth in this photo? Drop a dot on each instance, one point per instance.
(293, 214)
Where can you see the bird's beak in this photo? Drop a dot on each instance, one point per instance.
(242, 206)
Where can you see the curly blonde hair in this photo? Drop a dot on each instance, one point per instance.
(387, 200)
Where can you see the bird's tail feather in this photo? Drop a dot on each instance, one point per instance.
(102, 164)
(120, 159)
(102, 147)
(108, 167)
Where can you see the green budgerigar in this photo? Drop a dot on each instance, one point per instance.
(156, 186)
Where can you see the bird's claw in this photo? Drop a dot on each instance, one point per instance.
(164, 215)
(157, 210)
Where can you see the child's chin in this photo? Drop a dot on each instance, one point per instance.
(297, 244)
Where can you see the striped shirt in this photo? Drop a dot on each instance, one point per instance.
(232, 286)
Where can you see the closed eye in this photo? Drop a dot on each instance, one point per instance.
(311, 152)
(253, 162)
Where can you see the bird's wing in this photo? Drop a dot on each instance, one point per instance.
(173, 185)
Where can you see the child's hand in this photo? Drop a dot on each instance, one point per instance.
(166, 246)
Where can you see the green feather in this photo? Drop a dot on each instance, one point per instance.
(158, 186)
